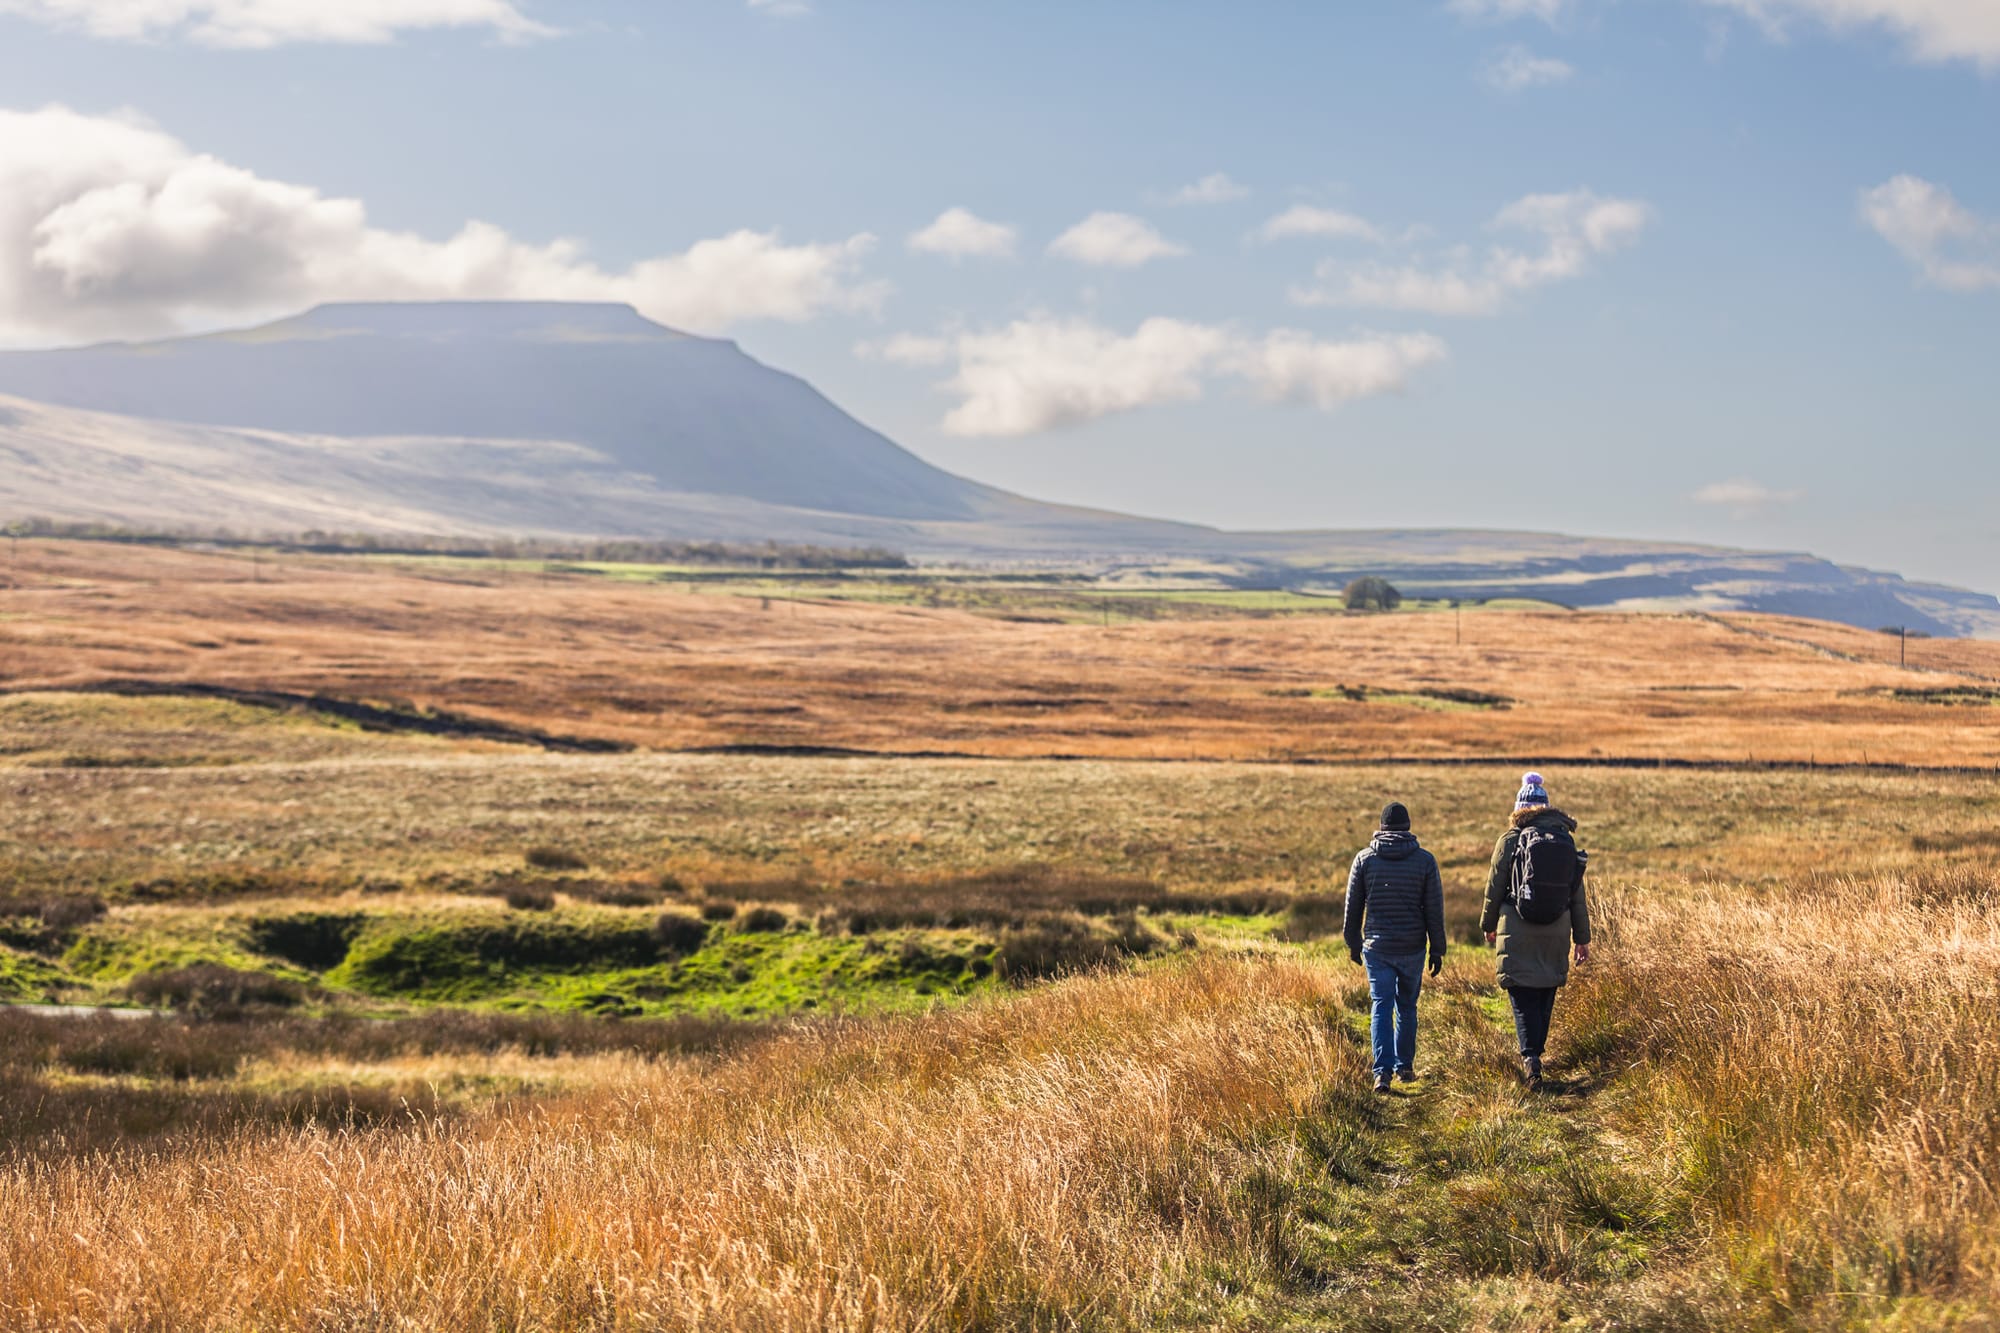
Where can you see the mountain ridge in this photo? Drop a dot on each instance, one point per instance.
(697, 414)
(588, 420)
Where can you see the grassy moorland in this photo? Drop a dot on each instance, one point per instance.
(464, 1034)
(665, 665)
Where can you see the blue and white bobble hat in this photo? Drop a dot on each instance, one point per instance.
(1532, 792)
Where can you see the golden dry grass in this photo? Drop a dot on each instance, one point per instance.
(1067, 1158)
(661, 667)
(1780, 1113)
(1823, 1069)
(435, 821)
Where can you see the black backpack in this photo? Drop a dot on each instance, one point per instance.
(1547, 866)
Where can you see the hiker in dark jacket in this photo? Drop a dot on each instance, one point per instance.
(1395, 910)
(1533, 954)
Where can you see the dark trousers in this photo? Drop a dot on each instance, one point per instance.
(1534, 1006)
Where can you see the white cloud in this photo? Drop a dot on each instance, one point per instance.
(782, 8)
(1953, 247)
(1114, 240)
(1574, 227)
(1744, 497)
(1548, 11)
(1042, 373)
(1294, 367)
(1514, 69)
(111, 227)
(1387, 287)
(1328, 223)
(1936, 30)
(959, 234)
(908, 349)
(266, 23)
(1578, 215)
(1217, 188)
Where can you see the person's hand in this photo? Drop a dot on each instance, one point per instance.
(1437, 964)
(1583, 953)
(1355, 955)
(1492, 936)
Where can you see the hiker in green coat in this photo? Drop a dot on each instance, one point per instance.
(1535, 907)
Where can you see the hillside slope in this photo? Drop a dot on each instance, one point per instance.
(589, 420)
(692, 414)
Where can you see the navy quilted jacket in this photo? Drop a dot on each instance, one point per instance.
(1395, 898)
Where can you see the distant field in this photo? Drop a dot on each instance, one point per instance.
(1055, 597)
(686, 665)
(468, 1033)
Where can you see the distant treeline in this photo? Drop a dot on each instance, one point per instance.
(624, 551)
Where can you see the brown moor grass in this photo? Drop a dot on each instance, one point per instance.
(1822, 1068)
(1071, 1157)
(661, 667)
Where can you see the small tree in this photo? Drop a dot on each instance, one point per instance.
(1371, 594)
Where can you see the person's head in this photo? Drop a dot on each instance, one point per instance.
(1532, 792)
(1395, 818)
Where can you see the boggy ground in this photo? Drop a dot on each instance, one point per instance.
(664, 665)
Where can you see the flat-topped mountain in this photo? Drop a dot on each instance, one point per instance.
(585, 420)
(694, 414)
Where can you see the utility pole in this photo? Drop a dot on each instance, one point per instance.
(1458, 622)
(1903, 646)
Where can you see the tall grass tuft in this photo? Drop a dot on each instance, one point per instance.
(1825, 1072)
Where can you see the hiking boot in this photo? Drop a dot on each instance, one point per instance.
(1406, 1076)
(1381, 1083)
(1534, 1064)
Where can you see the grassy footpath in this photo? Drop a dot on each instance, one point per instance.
(1466, 1201)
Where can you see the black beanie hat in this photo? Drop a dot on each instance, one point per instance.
(1395, 816)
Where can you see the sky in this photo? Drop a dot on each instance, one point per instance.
(1712, 270)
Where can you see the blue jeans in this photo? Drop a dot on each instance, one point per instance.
(1393, 984)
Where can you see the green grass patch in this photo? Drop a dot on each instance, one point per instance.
(115, 950)
(749, 961)
(476, 955)
(760, 974)
(625, 963)
(26, 978)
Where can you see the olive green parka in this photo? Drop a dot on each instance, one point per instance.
(1530, 954)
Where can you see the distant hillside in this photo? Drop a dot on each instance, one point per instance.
(590, 421)
(692, 414)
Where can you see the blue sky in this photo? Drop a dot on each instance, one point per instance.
(1722, 270)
